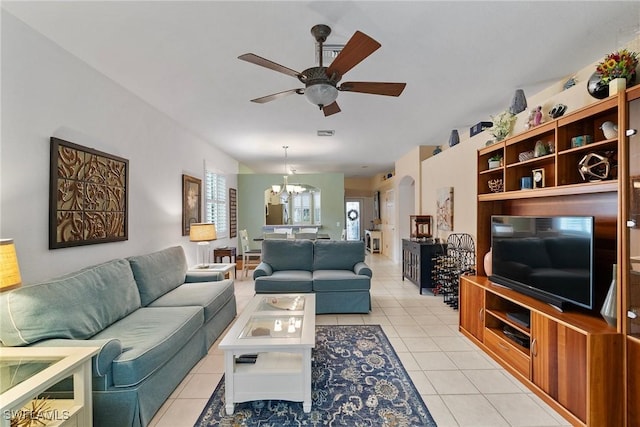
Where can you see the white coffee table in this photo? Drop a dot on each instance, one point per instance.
(280, 329)
(223, 268)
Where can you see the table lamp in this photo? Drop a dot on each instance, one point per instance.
(202, 233)
(9, 271)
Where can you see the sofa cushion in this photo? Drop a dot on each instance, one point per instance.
(339, 280)
(75, 306)
(291, 281)
(337, 254)
(150, 337)
(288, 254)
(159, 272)
(212, 296)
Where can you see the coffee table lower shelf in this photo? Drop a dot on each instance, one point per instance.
(274, 375)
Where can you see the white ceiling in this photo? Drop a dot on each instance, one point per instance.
(461, 61)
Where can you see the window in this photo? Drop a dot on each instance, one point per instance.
(316, 207)
(215, 209)
(302, 208)
(305, 207)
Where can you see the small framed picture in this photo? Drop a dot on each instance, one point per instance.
(538, 178)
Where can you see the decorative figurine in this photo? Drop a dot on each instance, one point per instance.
(609, 129)
(570, 83)
(530, 119)
(540, 149)
(594, 167)
(557, 111)
(538, 116)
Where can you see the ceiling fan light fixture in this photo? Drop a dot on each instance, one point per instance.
(321, 94)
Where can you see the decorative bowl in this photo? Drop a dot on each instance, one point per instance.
(525, 155)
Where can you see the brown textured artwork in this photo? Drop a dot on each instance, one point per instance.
(88, 196)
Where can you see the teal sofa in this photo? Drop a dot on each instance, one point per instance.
(151, 319)
(334, 270)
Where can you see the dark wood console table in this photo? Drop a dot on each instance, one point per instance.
(417, 262)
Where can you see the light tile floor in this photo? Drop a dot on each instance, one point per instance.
(460, 385)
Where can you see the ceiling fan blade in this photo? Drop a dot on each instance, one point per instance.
(374, 88)
(331, 109)
(357, 48)
(258, 60)
(278, 95)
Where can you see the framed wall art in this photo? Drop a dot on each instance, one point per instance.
(88, 196)
(444, 207)
(191, 202)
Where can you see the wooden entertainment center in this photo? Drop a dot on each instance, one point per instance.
(585, 369)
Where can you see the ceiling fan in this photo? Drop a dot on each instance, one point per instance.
(321, 83)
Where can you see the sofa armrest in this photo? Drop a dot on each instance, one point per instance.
(203, 276)
(101, 362)
(263, 269)
(362, 269)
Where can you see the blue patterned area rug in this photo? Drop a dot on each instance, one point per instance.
(357, 380)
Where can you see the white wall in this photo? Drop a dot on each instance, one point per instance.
(438, 172)
(48, 92)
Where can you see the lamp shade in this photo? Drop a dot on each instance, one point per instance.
(202, 232)
(321, 94)
(9, 269)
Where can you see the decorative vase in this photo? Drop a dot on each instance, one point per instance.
(617, 85)
(610, 307)
(596, 87)
(518, 103)
(488, 263)
(454, 138)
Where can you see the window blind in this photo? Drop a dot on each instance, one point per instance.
(216, 202)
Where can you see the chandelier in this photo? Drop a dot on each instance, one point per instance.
(286, 188)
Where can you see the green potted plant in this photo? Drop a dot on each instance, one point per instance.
(502, 124)
(495, 161)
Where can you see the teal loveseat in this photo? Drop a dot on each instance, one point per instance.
(151, 319)
(334, 270)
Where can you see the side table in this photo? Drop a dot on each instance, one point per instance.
(43, 367)
(220, 253)
(216, 267)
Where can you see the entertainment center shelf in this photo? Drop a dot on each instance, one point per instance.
(586, 188)
(548, 149)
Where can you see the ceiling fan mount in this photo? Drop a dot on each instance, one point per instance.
(320, 32)
(321, 83)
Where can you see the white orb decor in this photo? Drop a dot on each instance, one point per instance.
(594, 167)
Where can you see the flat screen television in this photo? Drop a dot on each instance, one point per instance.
(549, 258)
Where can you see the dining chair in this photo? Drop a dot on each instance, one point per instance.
(250, 257)
(308, 230)
(275, 236)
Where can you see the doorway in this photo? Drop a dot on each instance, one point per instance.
(353, 219)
